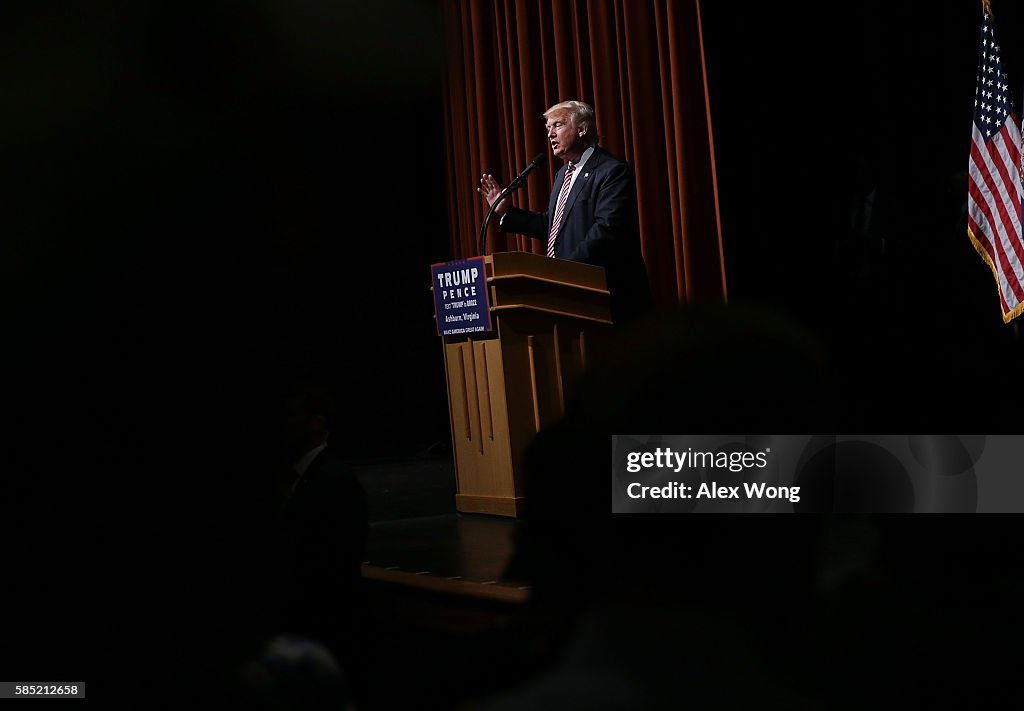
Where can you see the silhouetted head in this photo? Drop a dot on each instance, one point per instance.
(309, 415)
(289, 672)
(698, 370)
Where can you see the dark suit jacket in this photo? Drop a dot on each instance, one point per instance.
(600, 225)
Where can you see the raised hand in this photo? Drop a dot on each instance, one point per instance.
(490, 190)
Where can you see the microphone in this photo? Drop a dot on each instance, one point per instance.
(538, 160)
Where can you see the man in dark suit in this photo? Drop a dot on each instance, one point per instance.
(592, 214)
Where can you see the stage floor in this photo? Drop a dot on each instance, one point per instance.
(417, 538)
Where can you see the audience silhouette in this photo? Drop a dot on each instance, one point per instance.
(321, 528)
(735, 610)
(287, 673)
(712, 611)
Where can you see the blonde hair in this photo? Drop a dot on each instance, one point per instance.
(581, 115)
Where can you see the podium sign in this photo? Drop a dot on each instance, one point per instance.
(460, 297)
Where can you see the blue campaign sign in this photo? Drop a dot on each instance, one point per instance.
(460, 297)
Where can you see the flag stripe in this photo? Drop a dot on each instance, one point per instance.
(1008, 225)
(1003, 224)
(997, 236)
(998, 160)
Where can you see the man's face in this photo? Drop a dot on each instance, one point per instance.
(564, 138)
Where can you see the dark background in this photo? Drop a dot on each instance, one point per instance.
(812, 107)
(201, 200)
(201, 197)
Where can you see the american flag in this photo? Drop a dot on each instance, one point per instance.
(994, 197)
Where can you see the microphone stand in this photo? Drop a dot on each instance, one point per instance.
(490, 213)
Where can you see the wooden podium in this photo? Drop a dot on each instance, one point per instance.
(548, 316)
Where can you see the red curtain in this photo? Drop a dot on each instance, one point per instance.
(640, 64)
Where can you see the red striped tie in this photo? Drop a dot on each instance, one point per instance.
(562, 197)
